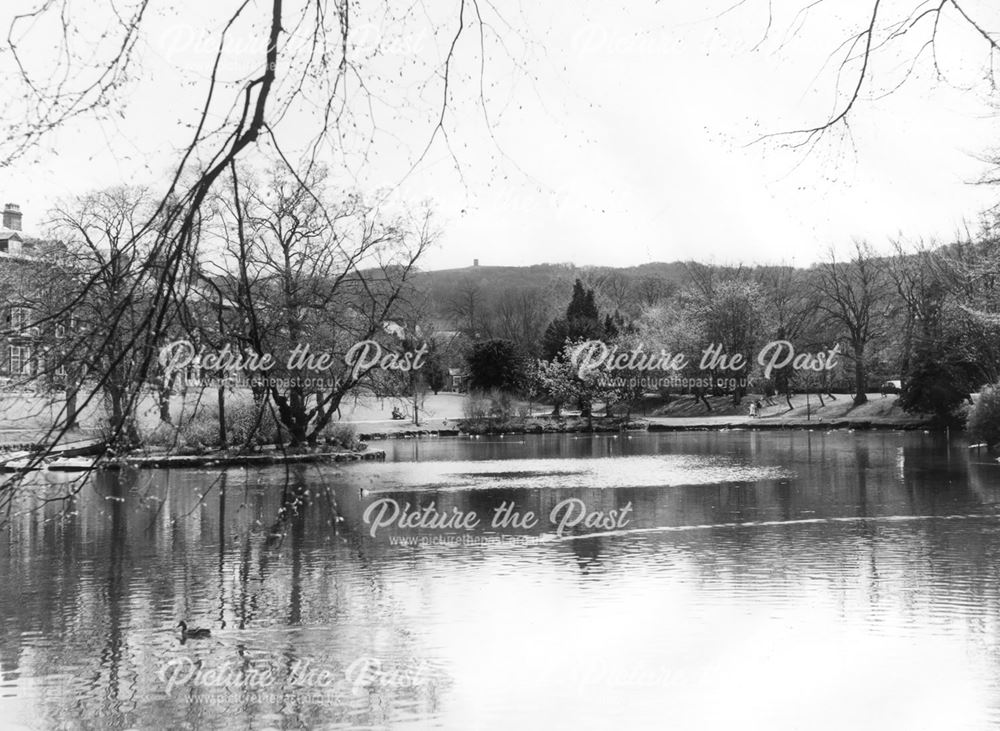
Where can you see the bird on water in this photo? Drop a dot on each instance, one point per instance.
(195, 633)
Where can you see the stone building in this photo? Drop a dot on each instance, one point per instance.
(19, 341)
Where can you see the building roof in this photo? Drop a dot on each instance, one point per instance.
(9, 233)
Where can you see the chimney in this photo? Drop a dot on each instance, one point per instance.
(475, 262)
(12, 216)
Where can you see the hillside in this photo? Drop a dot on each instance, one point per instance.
(451, 291)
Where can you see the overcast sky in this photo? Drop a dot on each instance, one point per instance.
(626, 136)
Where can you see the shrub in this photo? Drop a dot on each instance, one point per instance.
(197, 432)
(490, 405)
(984, 418)
(246, 425)
(249, 423)
(476, 406)
(116, 439)
(935, 386)
(929, 390)
(343, 435)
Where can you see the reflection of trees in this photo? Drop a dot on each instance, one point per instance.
(861, 464)
(117, 588)
(114, 570)
(291, 521)
(102, 584)
(982, 476)
(829, 476)
(587, 552)
(223, 479)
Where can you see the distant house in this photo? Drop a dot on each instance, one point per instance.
(12, 243)
(457, 381)
(19, 344)
(890, 387)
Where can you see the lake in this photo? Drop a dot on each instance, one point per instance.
(686, 580)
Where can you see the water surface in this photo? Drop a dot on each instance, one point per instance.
(762, 580)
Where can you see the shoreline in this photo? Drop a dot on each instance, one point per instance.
(83, 458)
(801, 411)
(446, 420)
(604, 425)
(169, 461)
(65, 461)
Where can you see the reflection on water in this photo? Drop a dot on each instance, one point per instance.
(769, 580)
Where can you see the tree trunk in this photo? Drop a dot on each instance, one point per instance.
(904, 366)
(326, 408)
(860, 396)
(71, 408)
(699, 395)
(163, 397)
(223, 439)
(122, 426)
(320, 410)
(292, 416)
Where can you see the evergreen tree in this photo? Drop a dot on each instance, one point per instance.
(496, 364)
(579, 305)
(582, 322)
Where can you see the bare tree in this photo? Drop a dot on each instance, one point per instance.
(521, 316)
(321, 60)
(100, 272)
(301, 271)
(918, 278)
(650, 291)
(617, 288)
(467, 308)
(854, 299)
(791, 308)
(884, 47)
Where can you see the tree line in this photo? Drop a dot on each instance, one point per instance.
(920, 314)
(279, 260)
(282, 260)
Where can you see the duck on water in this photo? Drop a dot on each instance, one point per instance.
(195, 633)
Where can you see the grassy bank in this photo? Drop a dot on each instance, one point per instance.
(24, 418)
(681, 414)
(804, 410)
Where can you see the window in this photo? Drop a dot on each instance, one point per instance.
(20, 361)
(18, 318)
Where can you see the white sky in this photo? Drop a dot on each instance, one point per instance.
(624, 140)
